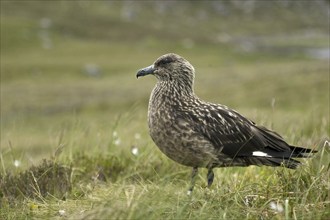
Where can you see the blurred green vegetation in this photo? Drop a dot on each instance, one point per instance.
(68, 82)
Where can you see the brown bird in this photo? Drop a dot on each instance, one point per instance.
(196, 133)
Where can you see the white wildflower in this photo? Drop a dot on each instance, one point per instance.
(135, 151)
(61, 212)
(277, 207)
(17, 163)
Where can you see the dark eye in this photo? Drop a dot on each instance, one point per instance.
(165, 61)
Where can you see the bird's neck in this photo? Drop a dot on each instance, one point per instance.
(165, 95)
(173, 90)
(168, 97)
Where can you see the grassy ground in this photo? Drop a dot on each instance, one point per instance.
(74, 139)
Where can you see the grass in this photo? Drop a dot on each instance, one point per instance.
(69, 138)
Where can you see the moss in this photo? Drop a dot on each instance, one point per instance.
(48, 178)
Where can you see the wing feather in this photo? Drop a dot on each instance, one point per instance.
(236, 135)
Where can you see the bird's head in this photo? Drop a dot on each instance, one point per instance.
(170, 67)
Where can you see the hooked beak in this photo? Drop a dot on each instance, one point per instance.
(145, 71)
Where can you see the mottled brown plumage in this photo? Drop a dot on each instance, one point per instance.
(196, 133)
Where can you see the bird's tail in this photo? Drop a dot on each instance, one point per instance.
(288, 163)
(300, 152)
(281, 153)
(273, 162)
(285, 159)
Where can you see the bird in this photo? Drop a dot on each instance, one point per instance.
(201, 134)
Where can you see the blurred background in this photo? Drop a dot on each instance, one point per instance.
(68, 69)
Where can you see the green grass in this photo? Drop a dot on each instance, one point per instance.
(67, 137)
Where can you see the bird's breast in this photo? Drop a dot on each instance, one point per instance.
(174, 135)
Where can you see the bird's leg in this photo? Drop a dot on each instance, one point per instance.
(210, 177)
(193, 179)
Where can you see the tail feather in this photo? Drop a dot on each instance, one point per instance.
(285, 159)
(273, 162)
(288, 163)
(278, 148)
(300, 152)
